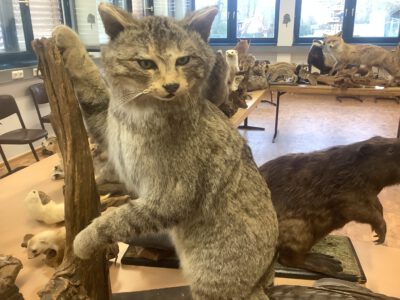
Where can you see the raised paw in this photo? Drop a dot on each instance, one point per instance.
(380, 234)
(73, 51)
(86, 243)
(65, 37)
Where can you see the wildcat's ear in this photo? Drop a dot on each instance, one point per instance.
(114, 19)
(201, 21)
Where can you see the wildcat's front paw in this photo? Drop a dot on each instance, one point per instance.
(86, 243)
(65, 37)
(73, 51)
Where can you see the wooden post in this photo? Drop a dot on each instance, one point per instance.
(74, 278)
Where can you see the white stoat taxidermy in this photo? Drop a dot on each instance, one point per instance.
(42, 208)
(51, 144)
(232, 60)
(49, 242)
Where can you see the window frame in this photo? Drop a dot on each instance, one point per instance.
(232, 38)
(25, 58)
(350, 8)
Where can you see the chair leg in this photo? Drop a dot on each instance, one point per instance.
(3, 156)
(34, 152)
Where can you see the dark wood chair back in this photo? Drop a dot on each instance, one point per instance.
(8, 107)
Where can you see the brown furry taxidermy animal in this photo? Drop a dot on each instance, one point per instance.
(318, 192)
(242, 47)
(368, 55)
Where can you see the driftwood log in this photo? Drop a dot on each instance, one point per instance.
(9, 269)
(354, 78)
(74, 278)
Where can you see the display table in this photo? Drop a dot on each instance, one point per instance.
(327, 90)
(242, 114)
(381, 264)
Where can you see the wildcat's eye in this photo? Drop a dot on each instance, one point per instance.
(147, 64)
(182, 60)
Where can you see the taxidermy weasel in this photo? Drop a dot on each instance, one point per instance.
(49, 242)
(357, 54)
(51, 144)
(42, 208)
(232, 60)
(194, 173)
(318, 192)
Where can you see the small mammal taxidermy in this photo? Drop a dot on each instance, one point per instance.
(51, 144)
(232, 60)
(318, 58)
(49, 242)
(242, 48)
(357, 54)
(192, 170)
(42, 208)
(318, 192)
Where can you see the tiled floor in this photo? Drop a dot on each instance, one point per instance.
(308, 123)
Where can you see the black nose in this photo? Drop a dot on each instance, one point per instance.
(171, 87)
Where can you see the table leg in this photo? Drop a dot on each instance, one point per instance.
(340, 98)
(269, 101)
(278, 97)
(398, 131)
(247, 127)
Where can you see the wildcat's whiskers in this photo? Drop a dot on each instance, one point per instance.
(125, 99)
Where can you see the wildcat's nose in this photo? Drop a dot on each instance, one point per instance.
(171, 87)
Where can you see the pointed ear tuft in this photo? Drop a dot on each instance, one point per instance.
(339, 34)
(114, 19)
(201, 21)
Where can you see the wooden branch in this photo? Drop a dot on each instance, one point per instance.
(74, 278)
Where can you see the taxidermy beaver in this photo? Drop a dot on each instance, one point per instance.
(318, 192)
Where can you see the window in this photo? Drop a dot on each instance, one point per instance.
(87, 21)
(20, 22)
(360, 20)
(255, 20)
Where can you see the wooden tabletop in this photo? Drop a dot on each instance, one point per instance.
(326, 89)
(243, 113)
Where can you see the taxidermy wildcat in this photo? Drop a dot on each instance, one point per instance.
(368, 55)
(217, 87)
(318, 192)
(193, 172)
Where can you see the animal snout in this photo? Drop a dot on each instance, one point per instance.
(171, 87)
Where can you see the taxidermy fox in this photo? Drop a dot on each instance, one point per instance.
(368, 55)
(193, 172)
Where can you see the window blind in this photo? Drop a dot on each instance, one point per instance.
(45, 15)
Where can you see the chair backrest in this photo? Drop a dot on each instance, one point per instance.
(8, 107)
(39, 93)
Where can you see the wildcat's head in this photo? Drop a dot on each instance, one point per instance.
(159, 56)
(333, 41)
